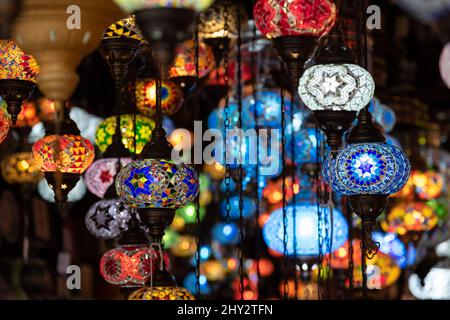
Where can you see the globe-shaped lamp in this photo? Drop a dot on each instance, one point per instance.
(306, 231)
(19, 168)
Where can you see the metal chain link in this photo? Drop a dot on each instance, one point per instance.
(240, 169)
(227, 122)
(197, 199)
(283, 158)
(319, 222)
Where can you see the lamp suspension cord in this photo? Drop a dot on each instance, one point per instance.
(227, 122)
(253, 66)
(240, 169)
(294, 200)
(197, 199)
(319, 221)
(283, 177)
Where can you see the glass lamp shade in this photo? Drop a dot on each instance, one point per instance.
(273, 191)
(214, 270)
(428, 185)
(15, 64)
(410, 217)
(134, 5)
(4, 125)
(20, 168)
(189, 213)
(225, 233)
(435, 286)
(100, 175)
(367, 168)
(306, 232)
(248, 207)
(184, 63)
(444, 65)
(392, 246)
(161, 293)
(107, 129)
(294, 17)
(336, 87)
(171, 97)
(425, 10)
(124, 28)
(128, 265)
(76, 194)
(157, 183)
(107, 218)
(212, 21)
(75, 153)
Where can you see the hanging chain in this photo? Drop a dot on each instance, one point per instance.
(253, 66)
(240, 169)
(350, 250)
(227, 122)
(283, 158)
(197, 199)
(294, 200)
(319, 222)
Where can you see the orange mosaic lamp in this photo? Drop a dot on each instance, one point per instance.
(18, 73)
(63, 158)
(182, 70)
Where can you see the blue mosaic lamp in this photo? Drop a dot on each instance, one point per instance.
(225, 233)
(368, 171)
(306, 230)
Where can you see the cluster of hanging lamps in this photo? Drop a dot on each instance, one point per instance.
(294, 27)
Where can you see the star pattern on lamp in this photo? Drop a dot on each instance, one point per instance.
(336, 87)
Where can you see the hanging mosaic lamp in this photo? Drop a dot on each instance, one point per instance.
(294, 27)
(99, 177)
(307, 243)
(225, 233)
(17, 77)
(335, 88)
(4, 125)
(183, 70)
(19, 168)
(107, 129)
(43, 29)
(217, 26)
(164, 23)
(107, 218)
(367, 171)
(171, 97)
(162, 287)
(410, 220)
(428, 185)
(63, 158)
(119, 46)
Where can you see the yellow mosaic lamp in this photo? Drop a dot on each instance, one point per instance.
(19, 168)
(18, 72)
(124, 28)
(162, 287)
